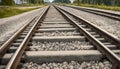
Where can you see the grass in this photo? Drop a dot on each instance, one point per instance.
(11, 11)
(113, 8)
(25, 5)
(7, 11)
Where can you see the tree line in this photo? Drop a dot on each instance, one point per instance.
(61, 1)
(99, 2)
(11, 2)
(7, 2)
(34, 1)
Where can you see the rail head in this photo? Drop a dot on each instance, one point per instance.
(15, 59)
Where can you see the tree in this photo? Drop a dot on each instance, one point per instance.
(33, 1)
(99, 2)
(66, 1)
(117, 2)
(78, 2)
(8, 2)
(61, 1)
(37, 1)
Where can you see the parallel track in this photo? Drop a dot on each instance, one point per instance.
(41, 31)
(98, 12)
(101, 45)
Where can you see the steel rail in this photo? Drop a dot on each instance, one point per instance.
(99, 45)
(102, 13)
(15, 59)
(7, 44)
(97, 29)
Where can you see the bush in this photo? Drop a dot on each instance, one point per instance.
(8, 2)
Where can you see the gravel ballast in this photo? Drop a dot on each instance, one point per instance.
(59, 46)
(8, 26)
(69, 65)
(58, 33)
(110, 25)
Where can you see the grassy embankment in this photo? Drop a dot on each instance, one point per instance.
(113, 8)
(7, 11)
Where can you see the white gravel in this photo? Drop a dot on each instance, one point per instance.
(58, 46)
(58, 33)
(110, 11)
(10, 25)
(112, 26)
(69, 65)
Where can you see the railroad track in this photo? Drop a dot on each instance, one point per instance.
(98, 37)
(58, 38)
(11, 50)
(98, 12)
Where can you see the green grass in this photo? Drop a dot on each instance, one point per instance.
(11, 11)
(25, 5)
(113, 8)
